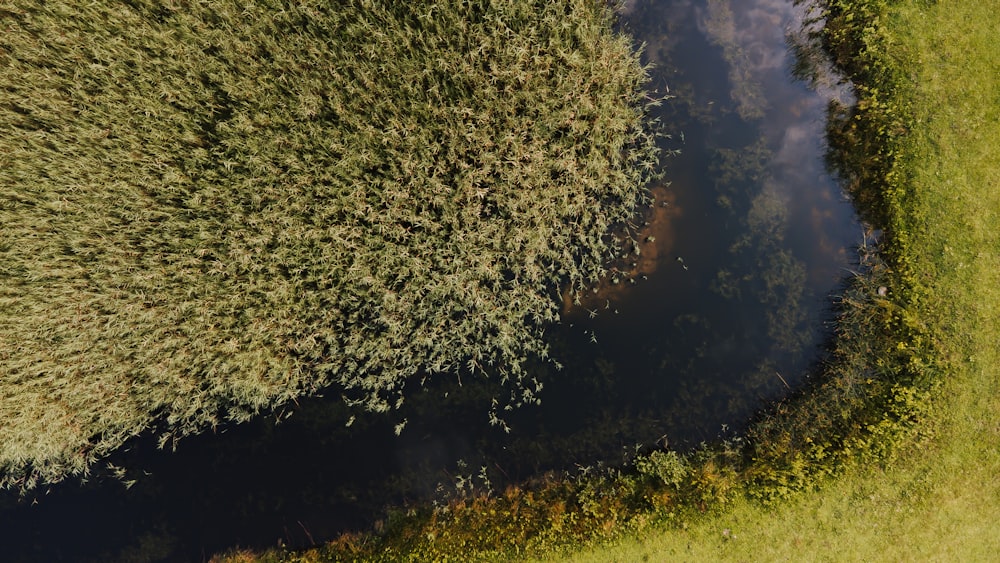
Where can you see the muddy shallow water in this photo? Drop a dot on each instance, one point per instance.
(722, 309)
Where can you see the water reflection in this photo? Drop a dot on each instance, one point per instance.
(721, 309)
(733, 313)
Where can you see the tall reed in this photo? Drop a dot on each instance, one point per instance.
(210, 208)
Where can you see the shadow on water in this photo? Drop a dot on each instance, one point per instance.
(721, 309)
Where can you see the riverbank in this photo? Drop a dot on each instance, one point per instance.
(930, 121)
(893, 452)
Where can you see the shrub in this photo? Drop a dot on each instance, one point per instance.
(666, 467)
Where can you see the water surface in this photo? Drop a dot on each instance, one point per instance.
(722, 310)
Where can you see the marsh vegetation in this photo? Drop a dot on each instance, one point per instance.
(211, 209)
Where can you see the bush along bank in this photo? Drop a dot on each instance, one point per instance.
(868, 400)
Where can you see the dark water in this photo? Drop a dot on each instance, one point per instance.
(756, 235)
(723, 309)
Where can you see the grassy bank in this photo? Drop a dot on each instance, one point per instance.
(929, 113)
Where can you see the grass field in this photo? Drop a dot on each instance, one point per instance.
(937, 501)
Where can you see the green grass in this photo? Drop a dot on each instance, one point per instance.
(939, 499)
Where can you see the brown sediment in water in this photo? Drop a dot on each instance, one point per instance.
(655, 239)
(835, 253)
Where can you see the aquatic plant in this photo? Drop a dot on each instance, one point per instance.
(747, 92)
(211, 208)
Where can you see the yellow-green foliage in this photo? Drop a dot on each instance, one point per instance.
(209, 208)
